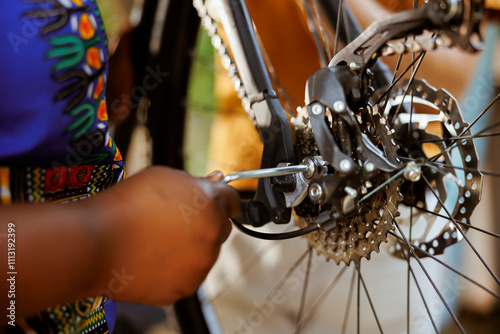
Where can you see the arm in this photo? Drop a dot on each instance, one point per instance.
(159, 231)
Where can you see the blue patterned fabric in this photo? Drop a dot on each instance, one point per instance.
(54, 139)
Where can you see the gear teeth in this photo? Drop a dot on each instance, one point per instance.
(357, 236)
(413, 46)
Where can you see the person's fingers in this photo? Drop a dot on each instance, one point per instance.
(215, 176)
(230, 198)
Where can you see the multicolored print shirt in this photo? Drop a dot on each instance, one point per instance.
(54, 140)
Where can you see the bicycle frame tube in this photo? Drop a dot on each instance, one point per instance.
(270, 119)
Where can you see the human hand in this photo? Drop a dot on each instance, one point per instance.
(164, 230)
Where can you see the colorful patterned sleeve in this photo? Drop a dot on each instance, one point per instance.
(54, 138)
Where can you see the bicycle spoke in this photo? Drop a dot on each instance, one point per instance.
(495, 235)
(304, 292)
(322, 30)
(412, 77)
(409, 266)
(279, 284)
(371, 193)
(395, 82)
(248, 264)
(490, 127)
(410, 134)
(450, 311)
(494, 134)
(479, 285)
(358, 301)
(314, 32)
(337, 29)
(407, 257)
(358, 268)
(459, 228)
(441, 164)
(349, 300)
(317, 303)
(488, 107)
(455, 143)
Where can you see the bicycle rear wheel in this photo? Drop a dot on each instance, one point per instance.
(388, 292)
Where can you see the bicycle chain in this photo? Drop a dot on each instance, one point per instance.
(210, 26)
(414, 46)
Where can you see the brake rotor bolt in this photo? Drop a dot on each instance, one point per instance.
(315, 192)
(317, 109)
(339, 106)
(369, 167)
(345, 165)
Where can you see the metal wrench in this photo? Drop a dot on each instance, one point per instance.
(266, 172)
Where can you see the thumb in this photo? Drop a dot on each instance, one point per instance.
(215, 176)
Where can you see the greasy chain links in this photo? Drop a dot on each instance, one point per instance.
(414, 46)
(210, 26)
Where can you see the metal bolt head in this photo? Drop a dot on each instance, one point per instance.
(412, 172)
(369, 167)
(345, 165)
(412, 175)
(311, 167)
(317, 109)
(355, 67)
(339, 106)
(315, 192)
(351, 192)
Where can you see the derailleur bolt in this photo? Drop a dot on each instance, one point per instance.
(345, 165)
(369, 167)
(315, 192)
(412, 172)
(351, 192)
(317, 109)
(339, 106)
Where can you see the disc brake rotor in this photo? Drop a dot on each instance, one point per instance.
(450, 187)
